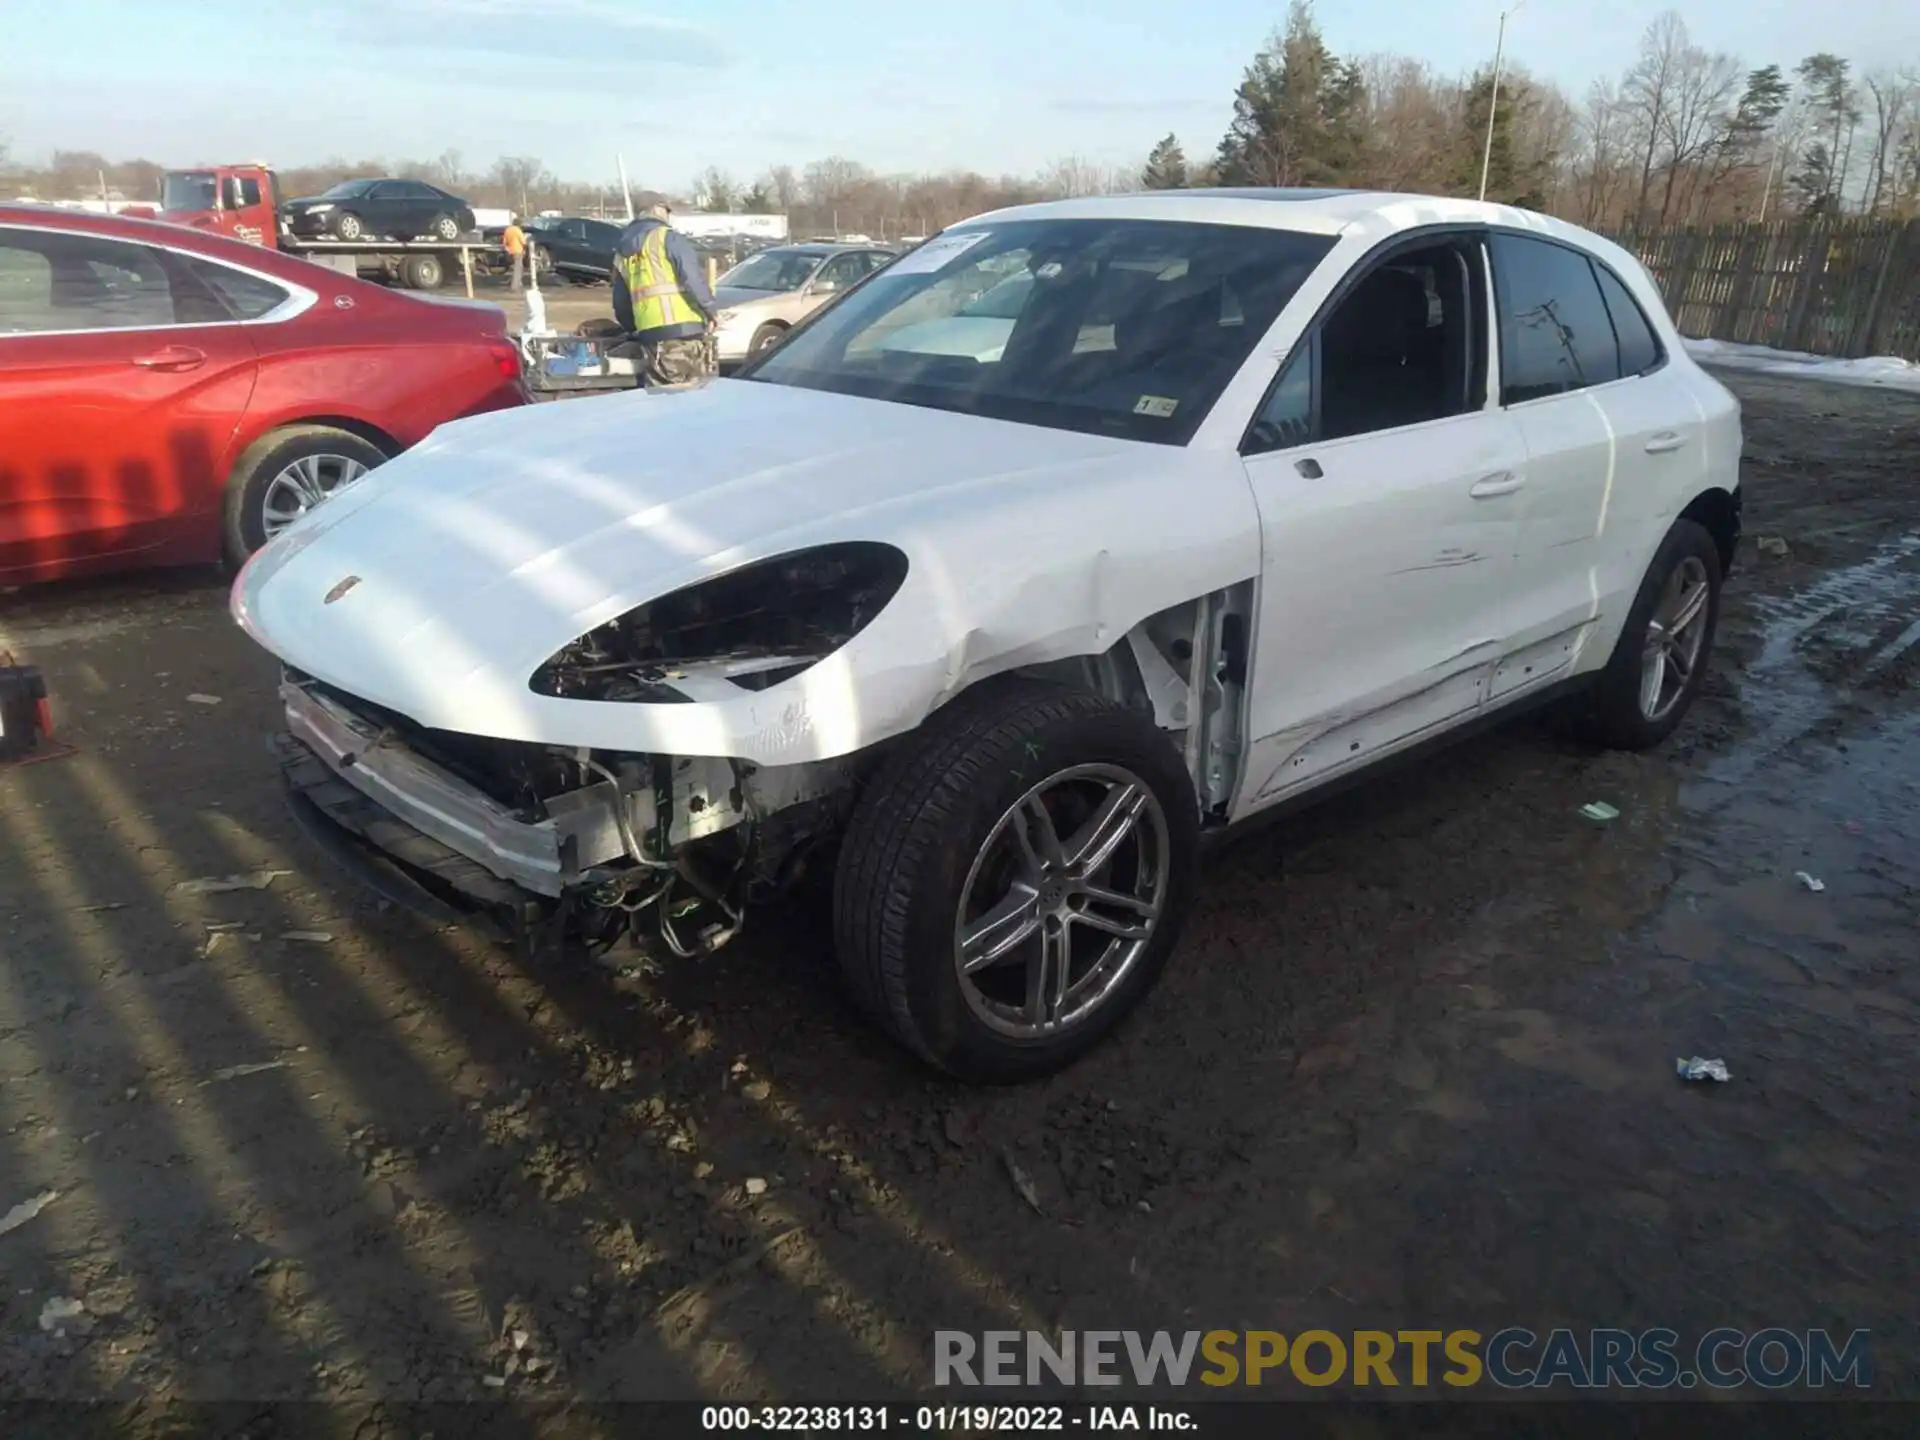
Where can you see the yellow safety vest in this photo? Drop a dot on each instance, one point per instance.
(657, 294)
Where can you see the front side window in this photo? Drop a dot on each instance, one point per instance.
(1129, 328)
(57, 282)
(188, 190)
(1402, 347)
(775, 271)
(1555, 333)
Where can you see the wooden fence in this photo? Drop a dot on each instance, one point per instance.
(1843, 287)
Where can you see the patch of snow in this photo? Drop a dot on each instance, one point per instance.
(1886, 371)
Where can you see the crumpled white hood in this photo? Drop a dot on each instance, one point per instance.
(478, 554)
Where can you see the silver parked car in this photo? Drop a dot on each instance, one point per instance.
(767, 294)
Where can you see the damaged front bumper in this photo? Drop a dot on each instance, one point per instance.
(368, 780)
(372, 789)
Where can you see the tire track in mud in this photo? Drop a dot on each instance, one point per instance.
(1852, 608)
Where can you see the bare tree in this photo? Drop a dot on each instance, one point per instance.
(1647, 94)
(714, 189)
(785, 186)
(1602, 150)
(447, 171)
(1894, 97)
(1409, 138)
(1699, 112)
(1072, 176)
(523, 179)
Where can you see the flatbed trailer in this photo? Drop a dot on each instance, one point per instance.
(416, 264)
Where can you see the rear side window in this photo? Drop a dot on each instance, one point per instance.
(246, 297)
(1639, 347)
(1555, 333)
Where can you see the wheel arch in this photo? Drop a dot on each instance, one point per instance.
(365, 430)
(1187, 667)
(1717, 511)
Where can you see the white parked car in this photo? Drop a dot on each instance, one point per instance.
(1250, 491)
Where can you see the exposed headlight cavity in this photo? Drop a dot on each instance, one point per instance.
(745, 630)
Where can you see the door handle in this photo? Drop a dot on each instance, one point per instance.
(1309, 468)
(174, 357)
(1501, 482)
(1665, 441)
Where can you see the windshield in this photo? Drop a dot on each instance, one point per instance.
(1121, 327)
(777, 270)
(187, 190)
(347, 190)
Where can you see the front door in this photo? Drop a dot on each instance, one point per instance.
(1388, 491)
(119, 399)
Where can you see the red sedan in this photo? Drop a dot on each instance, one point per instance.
(169, 397)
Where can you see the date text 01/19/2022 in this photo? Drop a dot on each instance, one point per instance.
(941, 1419)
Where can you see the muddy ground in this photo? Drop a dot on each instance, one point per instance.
(1413, 1066)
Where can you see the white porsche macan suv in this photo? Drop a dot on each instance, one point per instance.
(1082, 530)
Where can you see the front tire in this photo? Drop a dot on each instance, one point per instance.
(1660, 661)
(765, 338)
(286, 474)
(1012, 881)
(349, 226)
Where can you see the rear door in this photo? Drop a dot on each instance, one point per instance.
(390, 212)
(122, 383)
(1557, 353)
(1661, 460)
(838, 274)
(570, 246)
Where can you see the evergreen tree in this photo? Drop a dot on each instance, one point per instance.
(1296, 115)
(1835, 104)
(1760, 105)
(1166, 167)
(1510, 180)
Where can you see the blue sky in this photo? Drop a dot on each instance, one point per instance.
(993, 85)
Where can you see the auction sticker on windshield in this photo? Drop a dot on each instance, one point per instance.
(935, 253)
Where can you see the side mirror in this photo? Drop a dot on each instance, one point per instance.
(823, 287)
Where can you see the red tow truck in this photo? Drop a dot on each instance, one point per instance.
(243, 201)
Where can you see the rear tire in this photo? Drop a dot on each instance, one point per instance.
(946, 836)
(765, 338)
(444, 227)
(423, 272)
(266, 476)
(349, 226)
(1626, 709)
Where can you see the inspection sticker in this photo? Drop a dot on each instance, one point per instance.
(936, 253)
(1159, 405)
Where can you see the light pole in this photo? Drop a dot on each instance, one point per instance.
(1493, 101)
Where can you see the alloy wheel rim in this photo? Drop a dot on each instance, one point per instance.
(1061, 901)
(305, 483)
(1675, 636)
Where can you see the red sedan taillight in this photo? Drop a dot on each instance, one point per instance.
(506, 358)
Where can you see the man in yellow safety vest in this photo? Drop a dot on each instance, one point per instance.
(660, 296)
